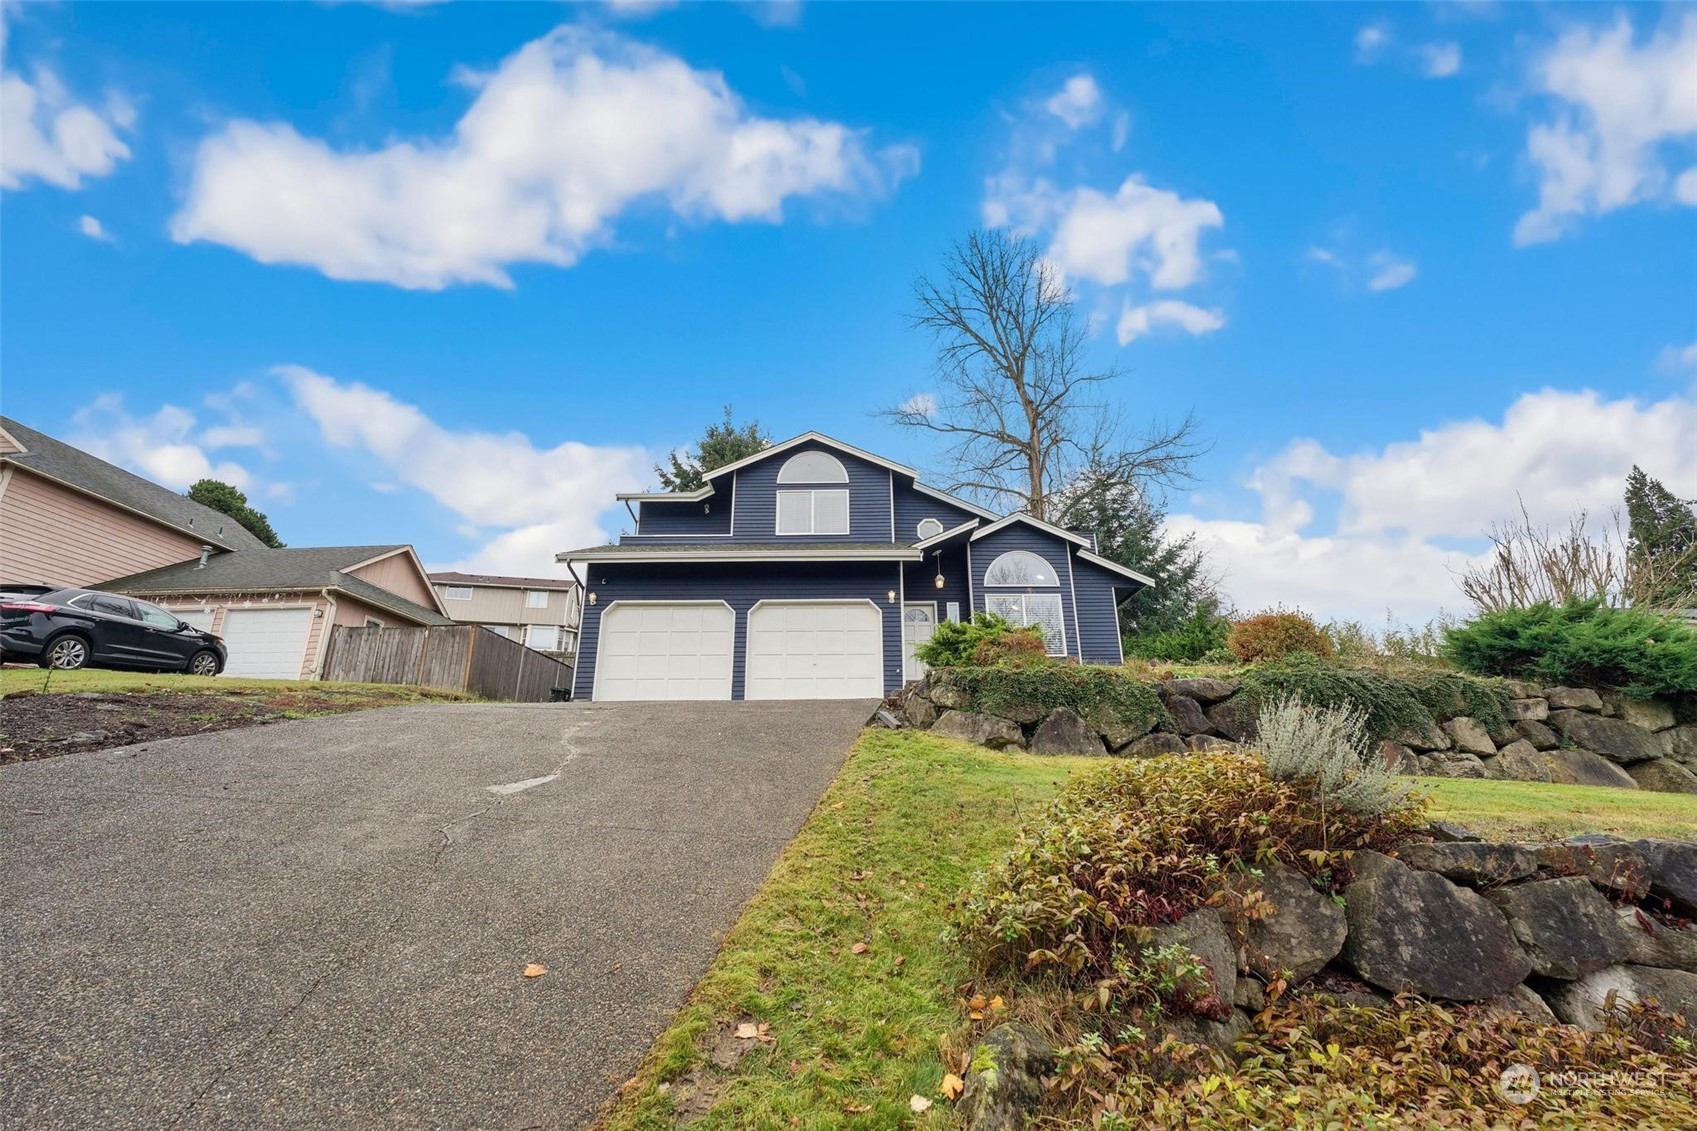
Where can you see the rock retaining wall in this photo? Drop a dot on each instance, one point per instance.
(1571, 735)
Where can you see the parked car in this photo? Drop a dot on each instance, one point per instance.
(73, 628)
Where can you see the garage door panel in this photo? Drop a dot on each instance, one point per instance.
(266, 643)
(665, 651)
(815, 650)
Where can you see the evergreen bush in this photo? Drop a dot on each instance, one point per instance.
(1390, 701)
(1580, 644)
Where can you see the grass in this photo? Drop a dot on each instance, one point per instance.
(853, 1035)
(115, 682)
(1514, 810)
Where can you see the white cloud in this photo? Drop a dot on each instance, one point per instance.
(1623, 109)
(566, 135)
(923, 403)
(1324, 255)
(1676, 358)
(536, 502)
(1136, 321)
(233, 436)
(1370, 41)
(1078, 103)
(163, 446)
(1439, 60)
(47, 135)
(1389, 272)
(1558, 452)
(1139, 230)
(93, 229)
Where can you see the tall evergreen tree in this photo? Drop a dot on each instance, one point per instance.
(722, 443)
(1661, 540)
(221, 496)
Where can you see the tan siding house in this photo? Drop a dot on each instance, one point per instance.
(541, 612)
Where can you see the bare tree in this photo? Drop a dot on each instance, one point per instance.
(1017, 397)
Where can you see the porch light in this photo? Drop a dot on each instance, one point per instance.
(939, 582)
(892, 596)
(592, 597)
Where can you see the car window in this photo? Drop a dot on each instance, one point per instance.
(154, 615)
(81, 601)
(117, 606)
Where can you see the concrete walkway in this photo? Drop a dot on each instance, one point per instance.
(323, 923)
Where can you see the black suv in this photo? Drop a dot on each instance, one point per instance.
(74, 628)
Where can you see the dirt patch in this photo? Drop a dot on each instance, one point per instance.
(34, 725)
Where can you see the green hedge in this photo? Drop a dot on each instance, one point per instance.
(1089, 692)
(1392, 701)
(1581, 644)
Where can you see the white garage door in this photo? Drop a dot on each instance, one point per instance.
(676, 650)
(815, 650)
(266, 643)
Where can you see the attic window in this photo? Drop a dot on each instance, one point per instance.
(929, 528)
(812, 467)
(1020, 568)
(457, 593)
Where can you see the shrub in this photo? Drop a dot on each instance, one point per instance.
(1355, 643)
(1089, 691)
(1275, 635)
(1325, 749)
(1017, 649)
(1582, 643)
(955, 644)
(1199, 635)
(1144, 842)
(1390, 701)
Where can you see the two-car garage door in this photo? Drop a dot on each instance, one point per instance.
(795, 650)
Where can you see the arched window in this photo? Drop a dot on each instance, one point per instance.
(1020, 568)
(812, 467)
(929, 528)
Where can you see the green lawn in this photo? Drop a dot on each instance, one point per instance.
(1515, 810)
(111, 682)
(853, 1035)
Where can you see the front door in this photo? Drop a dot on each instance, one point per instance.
(919, 621)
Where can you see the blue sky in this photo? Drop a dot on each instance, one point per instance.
(454, 273)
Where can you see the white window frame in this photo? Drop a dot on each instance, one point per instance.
(812, 512)
(568, 640)
(1024, 619)
(795, 471)
(552, 646)
(457, 593)
(530, 598)
(920, 530)
(1054, 574)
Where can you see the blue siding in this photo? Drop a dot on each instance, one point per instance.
(1099, 594)
(912, 507)
(1051, 549)
(921, 580)
(741, 585)
(710, 516)
(757, 500)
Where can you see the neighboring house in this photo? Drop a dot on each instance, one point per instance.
(540, 612)
(812, 570)
(274, 607)
(69, 519)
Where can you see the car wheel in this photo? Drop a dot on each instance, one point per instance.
(203, 663)
(67, 654)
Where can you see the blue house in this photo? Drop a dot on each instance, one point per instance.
(812, 570)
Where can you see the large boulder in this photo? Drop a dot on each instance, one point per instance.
(1398, 759)
(943, 688)
(1538, 734)
(1615, 739)
(1470, 735)
(1208, 742)
(920, 711)
(1234, 718)
(1528, 710)
(1422, 738)
(1117, 730)
(1649, 714)
(1203, 933)
(1663, 775)
(1581, 767)
(1518, 1001)
(1416, 931)
(1604, 862)
(1673, 872)
(1651, 942)
(1565, 926)
(1204, 691)
(1304, 931)
(1005, 1079)
(1452, 764)
(986, 730)
(1587, 1001)
(1187, 715)
(1681, 742)
(1518, 761)
(1573, 699)
(1063, 732)
(1152, 745)
(1473, 863)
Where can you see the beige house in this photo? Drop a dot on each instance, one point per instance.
(68, 519)
(539, 612)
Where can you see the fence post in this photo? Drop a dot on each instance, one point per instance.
(518, 680)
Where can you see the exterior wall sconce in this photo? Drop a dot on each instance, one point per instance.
(592, 598)
(892, 596)
(939, 582)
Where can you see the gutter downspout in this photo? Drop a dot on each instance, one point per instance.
(324, 634)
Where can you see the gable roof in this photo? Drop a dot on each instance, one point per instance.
(76, 469)
(496, 581)
(1029, 520)
(805, 437)
(257, 571)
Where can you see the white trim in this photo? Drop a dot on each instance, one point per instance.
(809, 481)
(1077, 633)
(457, 592)
(790, 601)
(919, 529)
(820, 437)
(736, 489)
(890, 481)
(959, 502)
(1055, 584)
(819, 552)
(927, 543)
(1021, 516)
(600, 621)
(694, 496)
(812, 530)
(932, 605)
(1097, 559)
(971, 587)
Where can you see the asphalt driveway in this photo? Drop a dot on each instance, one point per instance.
(324, 923)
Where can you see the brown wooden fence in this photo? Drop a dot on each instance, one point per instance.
(464, 657)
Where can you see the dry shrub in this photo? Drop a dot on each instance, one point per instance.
(1011, 649)
(1275, 635)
